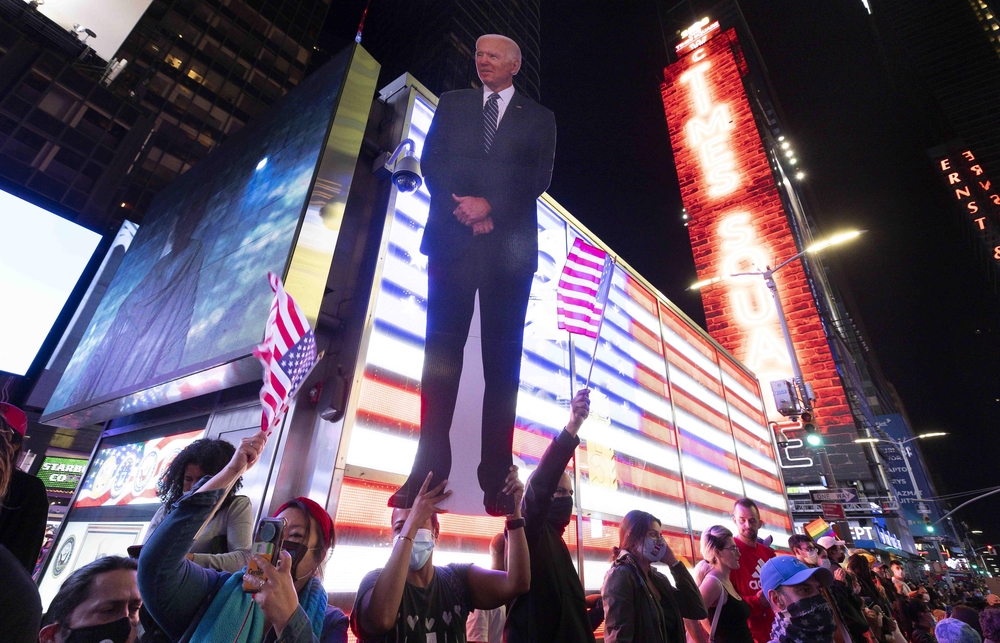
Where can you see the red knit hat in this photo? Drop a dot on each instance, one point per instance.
(317, 512)
(15, 417)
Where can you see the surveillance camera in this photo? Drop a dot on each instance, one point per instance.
(406, 175)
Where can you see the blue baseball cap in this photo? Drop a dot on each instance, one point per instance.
(789, 570)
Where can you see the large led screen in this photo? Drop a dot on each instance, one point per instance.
(192, 290)
(127, 474)
(43, 257)
(111, 20)
(677, 428)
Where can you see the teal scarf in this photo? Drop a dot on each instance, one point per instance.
(234, 617)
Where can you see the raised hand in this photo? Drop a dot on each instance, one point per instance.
(579, 410)
(514, 486)
(426, 505)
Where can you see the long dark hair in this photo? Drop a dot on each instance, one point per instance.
(209, 455)
(632, 532)
(10, 445)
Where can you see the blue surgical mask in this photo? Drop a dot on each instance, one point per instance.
(423, 546)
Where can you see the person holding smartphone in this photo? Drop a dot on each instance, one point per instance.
(288, 604)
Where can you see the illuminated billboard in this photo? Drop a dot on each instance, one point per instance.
(738, 223)
(43, 258)
(111, 20)
(190, 299)
(61, 475)
(677, 427)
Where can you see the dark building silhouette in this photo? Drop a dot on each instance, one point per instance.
(66, 138)
(204, 68)
(435, 40)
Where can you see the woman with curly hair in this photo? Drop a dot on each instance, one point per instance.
(224, 545)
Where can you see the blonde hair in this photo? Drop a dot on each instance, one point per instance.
(713, 540)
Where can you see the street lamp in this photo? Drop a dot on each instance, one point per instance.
(900, 444)
(798, 383)
(768, 275)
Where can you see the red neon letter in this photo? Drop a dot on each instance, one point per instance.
(968, 155)
(953, 178)
(959, 192)
(979, 221)
(945, 164)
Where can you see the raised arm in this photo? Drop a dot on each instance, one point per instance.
(545, 479)
(687, 594)
(490, 588)
(379, 607)
(173, 587)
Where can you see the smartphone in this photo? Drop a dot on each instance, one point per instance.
(266, 543)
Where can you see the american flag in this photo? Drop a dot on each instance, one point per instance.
(583, 289)
(288, 355)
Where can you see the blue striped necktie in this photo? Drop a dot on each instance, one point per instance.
(491, 112)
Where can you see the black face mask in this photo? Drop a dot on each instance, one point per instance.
(560, 513)
(114, 632)
(297, 552)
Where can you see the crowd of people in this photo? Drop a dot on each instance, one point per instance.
(190, 581)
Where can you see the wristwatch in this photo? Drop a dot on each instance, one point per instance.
(515, 523)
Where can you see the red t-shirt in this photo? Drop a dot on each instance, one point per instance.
(746, 580)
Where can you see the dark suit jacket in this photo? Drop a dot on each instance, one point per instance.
(511, 177)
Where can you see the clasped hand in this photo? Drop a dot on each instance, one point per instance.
(474, 211)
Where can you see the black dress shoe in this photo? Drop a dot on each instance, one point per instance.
(403, 498)
(498, 503)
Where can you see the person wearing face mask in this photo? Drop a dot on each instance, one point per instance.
(554, 609)
(802, 613)
(412, 601)
(847, 605)
(922, 621)
(98, 603)
(640, 604)
(204, 606)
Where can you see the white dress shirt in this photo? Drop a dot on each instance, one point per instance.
(505, 98)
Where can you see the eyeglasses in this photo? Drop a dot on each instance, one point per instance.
(733, 548)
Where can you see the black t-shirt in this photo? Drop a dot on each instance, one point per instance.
(20, 605)
(433, 614)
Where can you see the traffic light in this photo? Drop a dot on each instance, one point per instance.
(989, 548)
(813, 436)
(927, 523)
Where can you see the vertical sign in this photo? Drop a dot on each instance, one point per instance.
(738, 224)
(895, 427)
(977, 196)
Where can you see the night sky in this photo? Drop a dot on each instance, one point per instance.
(924, 301)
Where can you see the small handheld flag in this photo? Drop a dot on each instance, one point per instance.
(288, 355)
(583, 289)
(583, 292)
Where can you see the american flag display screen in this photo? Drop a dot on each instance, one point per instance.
(677, 427)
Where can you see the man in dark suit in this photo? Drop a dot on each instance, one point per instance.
(487, 158)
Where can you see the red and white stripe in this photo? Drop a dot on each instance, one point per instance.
(286, 325)
(578, 309)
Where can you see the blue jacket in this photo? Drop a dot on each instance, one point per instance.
(175, 589)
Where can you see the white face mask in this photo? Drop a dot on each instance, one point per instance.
(423, 546)
(825, 562)
(654, 549)
(812, 557)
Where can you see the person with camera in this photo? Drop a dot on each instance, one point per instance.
(411, 600)
(286, 604)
